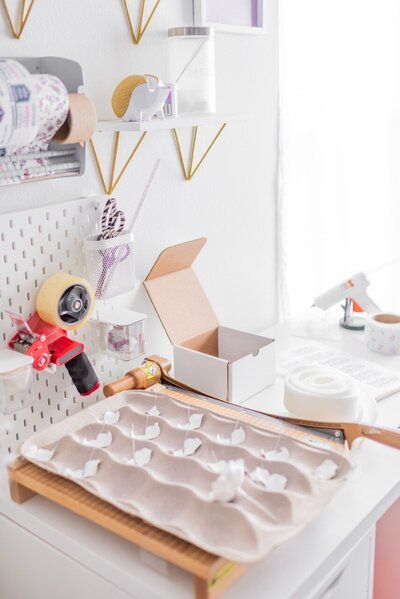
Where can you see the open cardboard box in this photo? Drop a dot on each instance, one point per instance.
(221, 362)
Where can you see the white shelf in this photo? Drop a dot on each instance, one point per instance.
(189, 120)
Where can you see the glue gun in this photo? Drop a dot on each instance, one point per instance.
(354, 292)
(354, 288)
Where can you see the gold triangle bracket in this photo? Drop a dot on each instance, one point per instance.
(189, 171)
(142, 24)
(114, 180)
(24, 12)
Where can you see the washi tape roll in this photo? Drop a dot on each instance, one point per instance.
(321, 393)
(382, 333)
(80, 123)
(19, 114)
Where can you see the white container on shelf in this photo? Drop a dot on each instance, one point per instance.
(16, 381)
(110, 265)
(122, 332)
(192, 67)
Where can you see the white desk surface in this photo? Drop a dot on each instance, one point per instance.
(291, 570)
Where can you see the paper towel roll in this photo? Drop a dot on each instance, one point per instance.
(321, 393)
(382, 333)
(81, 122)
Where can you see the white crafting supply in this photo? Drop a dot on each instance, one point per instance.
(278, 455)
(276, 482)
(382, 333)
(109, 418)
(151, 432)
(190, 446)
(141, 457)
(260, 475)
(379, 381)
(102, 440)
(89, 469)
(326, 471)
(221, 466)
(321, 393)
(154, 411)
(237, 437)
(39, 454)
(195, 421)
(226, 486)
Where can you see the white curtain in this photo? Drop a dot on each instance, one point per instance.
(339, 197)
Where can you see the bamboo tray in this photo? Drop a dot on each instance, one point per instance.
(213, 575)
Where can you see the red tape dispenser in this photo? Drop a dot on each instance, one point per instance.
(64, 303)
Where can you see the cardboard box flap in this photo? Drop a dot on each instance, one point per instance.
(176, 257)
(177, 295)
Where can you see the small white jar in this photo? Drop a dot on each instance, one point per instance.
(192, 67)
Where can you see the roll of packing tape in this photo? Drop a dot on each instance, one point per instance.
(80, 123)
(65, 301)
(382, 333)
(321, 393)
(19, 111)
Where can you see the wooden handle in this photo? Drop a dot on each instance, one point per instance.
(125, 384)
(386, 436)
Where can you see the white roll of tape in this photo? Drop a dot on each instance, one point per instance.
(382, 333)
(321, 393)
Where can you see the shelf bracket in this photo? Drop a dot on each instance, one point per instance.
(189, 171)
(25, 11)
(114, 180)
(141, 27)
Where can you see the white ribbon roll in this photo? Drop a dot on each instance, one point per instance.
(382, 333)
(321, 393)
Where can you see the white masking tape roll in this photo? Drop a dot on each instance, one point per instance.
(382, 333)
(321, 393)
(81, 122)
(19, 110)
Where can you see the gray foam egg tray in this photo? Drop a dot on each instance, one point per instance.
(220, 483)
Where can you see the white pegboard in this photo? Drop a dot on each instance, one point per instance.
(34, 244)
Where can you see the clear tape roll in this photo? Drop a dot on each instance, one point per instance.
(321, 393)
(382, 333)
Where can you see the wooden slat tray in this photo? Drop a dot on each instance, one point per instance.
(213, 575)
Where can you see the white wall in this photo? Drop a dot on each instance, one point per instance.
(231, 200)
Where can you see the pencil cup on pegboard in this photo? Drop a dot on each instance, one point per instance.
(110, 265)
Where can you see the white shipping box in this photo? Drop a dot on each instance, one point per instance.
(220, 362)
